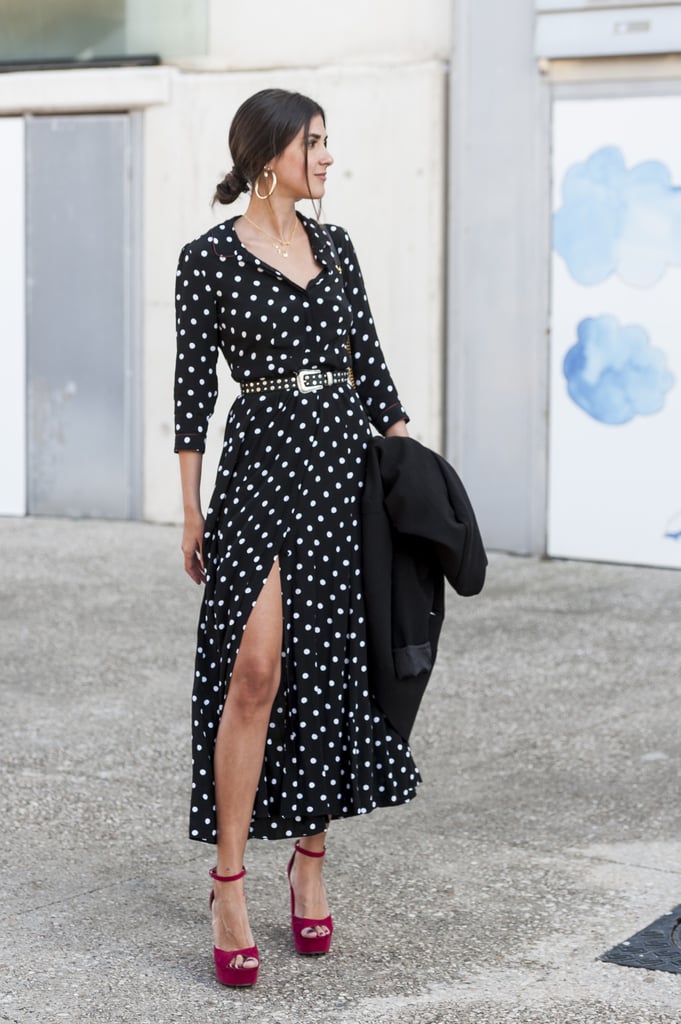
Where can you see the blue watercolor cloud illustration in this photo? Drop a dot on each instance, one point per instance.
(619, 221)
(673, 527)
(613, 373)
(672, 530)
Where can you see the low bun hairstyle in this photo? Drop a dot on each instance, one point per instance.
(231, 187)
(262, 127)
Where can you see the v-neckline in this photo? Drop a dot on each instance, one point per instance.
(275, 270)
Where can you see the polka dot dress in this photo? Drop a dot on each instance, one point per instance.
(288, 487)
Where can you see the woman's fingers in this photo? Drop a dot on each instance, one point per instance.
(193, 566)
(193, 563)
(192, 548)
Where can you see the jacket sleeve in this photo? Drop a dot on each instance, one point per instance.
(372, 377)
(425, 500)
(196, 382)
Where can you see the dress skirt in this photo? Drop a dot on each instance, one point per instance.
(288, 489)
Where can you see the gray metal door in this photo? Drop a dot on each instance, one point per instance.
(82, 338)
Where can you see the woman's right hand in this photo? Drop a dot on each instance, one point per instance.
(192, 546)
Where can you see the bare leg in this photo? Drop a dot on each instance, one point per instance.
(308, 885)
(238, 758)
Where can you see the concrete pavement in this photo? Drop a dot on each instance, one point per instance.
(547, 830)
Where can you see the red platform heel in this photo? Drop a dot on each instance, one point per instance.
(226, 971)
(308, 944)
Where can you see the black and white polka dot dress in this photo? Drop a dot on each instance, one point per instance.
(288, 486)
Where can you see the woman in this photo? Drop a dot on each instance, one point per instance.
(285, 734)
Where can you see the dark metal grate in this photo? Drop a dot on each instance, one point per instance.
(656, 948)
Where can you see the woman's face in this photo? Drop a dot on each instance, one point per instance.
(294, 180)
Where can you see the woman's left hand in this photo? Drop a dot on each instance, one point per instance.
(398, 429)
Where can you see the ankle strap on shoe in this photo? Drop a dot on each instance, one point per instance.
(310, 853)
(226, 878)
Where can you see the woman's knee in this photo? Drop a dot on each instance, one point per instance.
(254, 685)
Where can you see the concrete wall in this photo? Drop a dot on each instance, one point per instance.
(390, 197)
(381, 76)
(498, 271)
(300, 33)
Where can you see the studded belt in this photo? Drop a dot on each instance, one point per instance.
(313, 378)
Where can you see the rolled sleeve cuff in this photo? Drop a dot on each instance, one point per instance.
(189, 442)
(392, 414)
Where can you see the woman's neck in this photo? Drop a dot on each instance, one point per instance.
(276, 216)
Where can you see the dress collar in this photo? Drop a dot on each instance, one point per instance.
(227, 245)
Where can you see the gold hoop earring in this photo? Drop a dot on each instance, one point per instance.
(267, 172)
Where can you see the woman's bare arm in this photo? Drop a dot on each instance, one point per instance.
(192, 535)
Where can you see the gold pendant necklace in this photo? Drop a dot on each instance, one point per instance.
(280, 245)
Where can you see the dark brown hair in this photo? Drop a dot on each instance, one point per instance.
(262, 127)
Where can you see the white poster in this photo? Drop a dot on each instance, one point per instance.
(615, 381)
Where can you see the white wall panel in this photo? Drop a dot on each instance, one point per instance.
(615, 395)
(13, 329)
(615, 31)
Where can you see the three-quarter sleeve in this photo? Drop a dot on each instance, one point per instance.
(196, 381)
(372, 377)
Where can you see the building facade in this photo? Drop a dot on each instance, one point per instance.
(109, 170)
(456, 128)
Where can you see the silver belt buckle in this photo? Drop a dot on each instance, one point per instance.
(313, 379)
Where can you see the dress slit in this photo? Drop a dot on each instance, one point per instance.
(275, 564)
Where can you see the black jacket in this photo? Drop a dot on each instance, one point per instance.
(418, 528)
